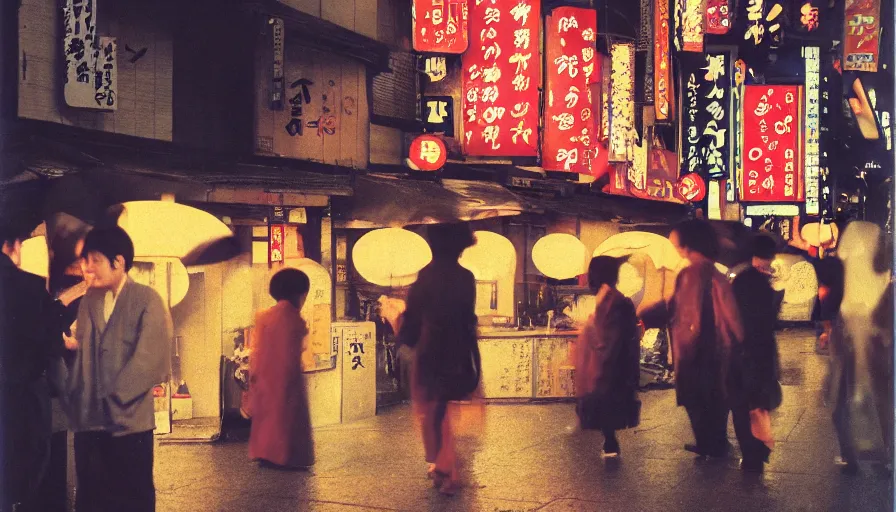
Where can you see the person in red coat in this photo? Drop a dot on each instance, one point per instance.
(281, 423)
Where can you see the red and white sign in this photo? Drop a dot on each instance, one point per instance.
(275, 245)
(861, 36)
(569, 120)
(718, 17)
(440, 26)
(692, 187)
(502, 69)
(662, 65)
(772, 144)
(427, 153)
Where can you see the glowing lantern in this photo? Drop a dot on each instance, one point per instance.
(819, 235)
(391, 256)
(491, 258)
(427, 153)
(36, 256)
(692, 187)
(559, 256)
(163, 229)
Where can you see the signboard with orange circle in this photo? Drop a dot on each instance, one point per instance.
(428, 153)
(692, 187)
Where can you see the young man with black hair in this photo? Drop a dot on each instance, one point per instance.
(31, 327)
(124, 332)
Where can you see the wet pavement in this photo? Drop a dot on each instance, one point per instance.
(531, 457)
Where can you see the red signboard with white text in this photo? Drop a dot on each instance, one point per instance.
(502, 69)
(861, 36)
(772, 144)
(569, 121)
(440, 26)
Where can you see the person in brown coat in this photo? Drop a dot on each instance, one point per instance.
(281, 422)
(705, 327)
(607, 356)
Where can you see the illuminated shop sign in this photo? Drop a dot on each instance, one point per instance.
(427, 153)
(706, 123)
(812, 56)
(692, 18)
(718, 17)
(663, 85)
(501, 79)
(622, 102)
(772, 139)
(861, 36)
(569, 121)
(762, 25)
(440, 26)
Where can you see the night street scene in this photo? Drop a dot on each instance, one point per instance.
(447, 255)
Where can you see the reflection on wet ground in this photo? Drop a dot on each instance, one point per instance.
(531, 457)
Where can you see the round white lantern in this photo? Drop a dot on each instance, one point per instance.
(559, 256)
(491, 258)
(391, 256)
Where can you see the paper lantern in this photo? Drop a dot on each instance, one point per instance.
(163, 229)
(427, 153)
(818, 235)
(692, 187)
(491, 258)
(391, 256)
(36, 256)
(631, 282)
(559, 256)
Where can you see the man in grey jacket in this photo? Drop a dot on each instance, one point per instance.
(123, 333)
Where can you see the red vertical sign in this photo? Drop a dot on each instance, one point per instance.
(662, 65)
(275, 246)
(440, 26)
(569, 123)
(861, 36)
(772, 135)
(502, 68)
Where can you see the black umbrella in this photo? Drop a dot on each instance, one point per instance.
(213, 252)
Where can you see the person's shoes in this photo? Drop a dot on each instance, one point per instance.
(609, 454)
(752, 466)
(690, 447)
(846, 467)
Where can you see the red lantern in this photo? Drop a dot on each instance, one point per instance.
(428, 153)
(692, 187)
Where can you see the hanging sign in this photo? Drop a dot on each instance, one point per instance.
(692, 29)
(90, 79)
(812, 57)
(861, 36)
(502, 69)
(278, 33)
(772, 135)
(663, 85)
(692, 188)
(645, 47)
(438, 115)
(809, 15)
(622, 102)
(427, 153)
(718, 17)
(275, 244)
(762, 25)
(440, 26)
(568, 113)
(706, 122)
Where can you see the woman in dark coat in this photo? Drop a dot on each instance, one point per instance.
(607, 356)
(440, 324)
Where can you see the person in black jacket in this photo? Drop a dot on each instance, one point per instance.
(755, 379)
(31, 327)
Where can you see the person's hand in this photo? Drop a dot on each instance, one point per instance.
(71, 343)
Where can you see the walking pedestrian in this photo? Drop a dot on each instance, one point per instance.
(607, 356)
(281, 421)
(705, 325)
(755, 389)
(31, 326)
(861, 380)
(440, 324)
(123, 335)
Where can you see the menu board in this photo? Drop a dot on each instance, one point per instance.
(501, 72)
(772, 141)
(569, 121)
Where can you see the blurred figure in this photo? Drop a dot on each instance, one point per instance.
(281, 422)
(862, 350)
(607, 356)
(705, 326)
(123, 333)
(440, 324)
(31, 326)
(755, 389)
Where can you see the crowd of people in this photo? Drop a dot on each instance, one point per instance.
(104, 366)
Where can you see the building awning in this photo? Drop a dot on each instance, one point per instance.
(383, 201)
(621, 210)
